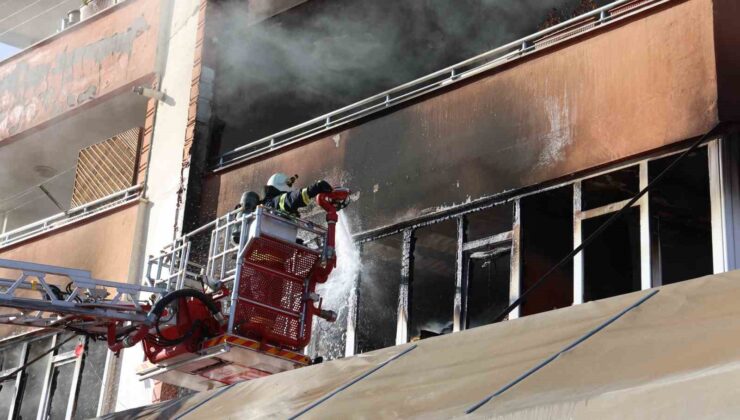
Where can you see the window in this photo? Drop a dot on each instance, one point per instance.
(432, 288)
(680, 219)
(61, 185)
(488, 283)
(34, 377)
(664, 238)
(547, 237)
(65, 383)
(488, 222)
(611, 187)
(91, 381)
(10, 360)
(464, 270)
(611, 264)
(380, 279)
(489, 264)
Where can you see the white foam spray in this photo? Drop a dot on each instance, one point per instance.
(330, 338)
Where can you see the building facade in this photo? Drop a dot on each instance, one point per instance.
(469, 183)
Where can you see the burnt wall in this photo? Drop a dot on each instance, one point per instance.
(325, 54)
(87, 61)
(632, 88)
(727, 44)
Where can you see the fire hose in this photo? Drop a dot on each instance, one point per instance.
(154, 316)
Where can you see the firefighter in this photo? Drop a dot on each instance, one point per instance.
(279, 193)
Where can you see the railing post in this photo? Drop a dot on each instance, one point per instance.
(237, 273)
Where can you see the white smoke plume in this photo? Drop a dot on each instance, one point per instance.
(325, 54)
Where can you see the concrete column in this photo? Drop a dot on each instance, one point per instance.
(176, 60)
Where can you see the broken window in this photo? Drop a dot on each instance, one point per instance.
(547, 237)
(380, 278)
(432, 288)
(488, 283)
(488, 222)
(680, 219)
(611, 263)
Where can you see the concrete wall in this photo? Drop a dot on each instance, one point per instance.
(88, 61)
(634, 87)
(102, 244)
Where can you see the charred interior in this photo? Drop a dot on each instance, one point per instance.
(547, 235)
(379, 283)
(681, 222)
(432, 285)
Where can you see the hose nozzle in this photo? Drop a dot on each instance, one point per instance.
(329, 316)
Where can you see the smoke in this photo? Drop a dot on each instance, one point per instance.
(325, 54)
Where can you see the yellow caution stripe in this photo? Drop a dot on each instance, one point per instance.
(257, 346)
(282, 202)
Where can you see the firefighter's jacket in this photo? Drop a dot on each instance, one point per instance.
(289, 202)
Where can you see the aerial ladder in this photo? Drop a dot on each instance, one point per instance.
(230, 301)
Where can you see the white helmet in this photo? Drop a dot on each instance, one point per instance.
(281, 181)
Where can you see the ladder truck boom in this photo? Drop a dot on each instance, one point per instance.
(230, 301)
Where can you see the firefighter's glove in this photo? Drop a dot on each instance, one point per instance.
(319, 187)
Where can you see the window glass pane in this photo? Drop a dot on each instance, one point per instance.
(9, 360)
(7, 393)
(91, 383)
(432, 289)
(546, 237)
(611, 263)
(69, 345)
(489, 276)
(680, 218)
(610, 188)
(61, 386)
(380, 278)
(33, 379)
(10, 357)
(489, 222)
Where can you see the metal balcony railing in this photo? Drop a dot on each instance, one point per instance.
(456, 73)
(73, 215)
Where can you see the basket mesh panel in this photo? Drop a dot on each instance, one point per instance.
(273, 274)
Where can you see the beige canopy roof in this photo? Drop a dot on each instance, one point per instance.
(676, 355)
